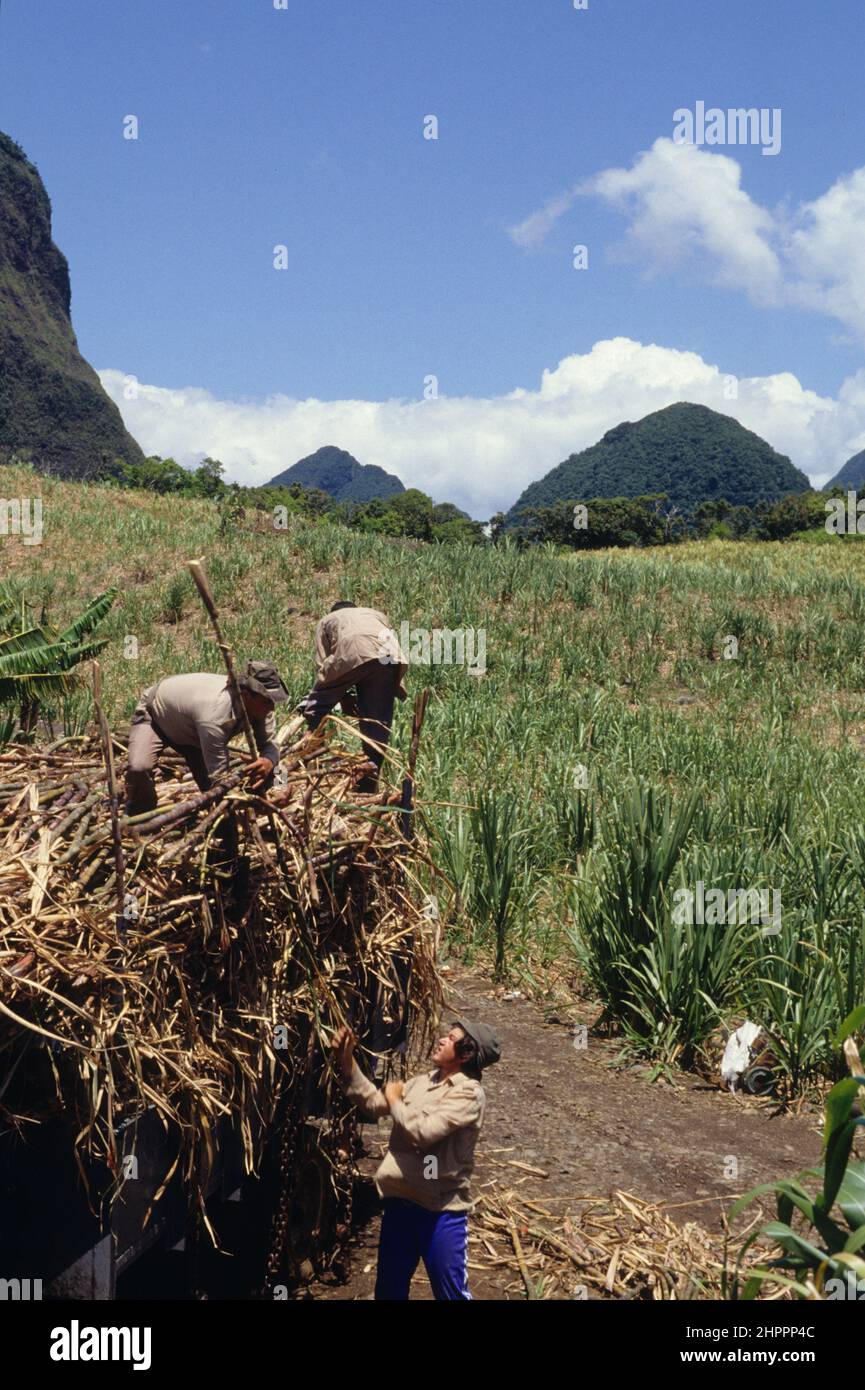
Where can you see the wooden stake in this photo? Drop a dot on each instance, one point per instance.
(196, 568)
(407, 801)
(108, 755)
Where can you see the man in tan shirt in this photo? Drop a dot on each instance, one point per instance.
(425, 1175)
(196, 715)
(357, 650)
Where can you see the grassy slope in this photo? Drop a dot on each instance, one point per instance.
(638, 625)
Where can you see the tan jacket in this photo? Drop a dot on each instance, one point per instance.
(196, 711)
(431, 1152)
(351, 637)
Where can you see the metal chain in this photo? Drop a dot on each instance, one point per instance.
(288, 1142)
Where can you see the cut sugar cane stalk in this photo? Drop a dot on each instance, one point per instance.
(196, 569)
(108, 754)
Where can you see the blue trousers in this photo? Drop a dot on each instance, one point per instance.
(409, 1234)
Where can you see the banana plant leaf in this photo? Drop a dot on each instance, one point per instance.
(851, 1194)
(37, 664)
(29, 640)
(89, 619)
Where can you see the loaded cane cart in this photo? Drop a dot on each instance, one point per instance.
(165, 1035)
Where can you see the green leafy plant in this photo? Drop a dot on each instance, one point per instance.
(37, 664)
(830, 1241)
(174, 599)
(455, 854)
(500, 878)
(618, 914)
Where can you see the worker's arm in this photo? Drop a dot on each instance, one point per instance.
(368, 1099)
(429, 1124)
(214, 747)
(324, 641)
(264, 731)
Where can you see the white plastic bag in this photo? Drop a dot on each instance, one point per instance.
(737, 1053)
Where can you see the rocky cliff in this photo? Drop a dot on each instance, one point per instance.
(53, 410)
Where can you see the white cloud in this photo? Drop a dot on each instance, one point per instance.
(686, 206)
(535, 228)
(482, 452)
(684, 201)
(826, 251)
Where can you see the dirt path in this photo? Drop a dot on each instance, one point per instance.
(594, 1128)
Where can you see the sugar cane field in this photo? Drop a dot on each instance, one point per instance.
(657, 740)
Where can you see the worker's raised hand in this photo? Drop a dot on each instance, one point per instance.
(364, 777)
(343, 1051)
(258, 772)
(393, 1091)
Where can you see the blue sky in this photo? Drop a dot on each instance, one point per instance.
(304, 127)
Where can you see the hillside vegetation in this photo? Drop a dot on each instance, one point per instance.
(688, 452)
(851, 475)
(339, 474)
(647, 720)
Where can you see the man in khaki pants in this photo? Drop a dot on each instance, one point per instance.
(357, 650)
(196, 715)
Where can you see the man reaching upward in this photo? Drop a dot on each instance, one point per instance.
(425, 1175)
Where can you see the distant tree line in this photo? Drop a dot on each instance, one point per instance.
(410, 514)
(602, 522)
(591, 524)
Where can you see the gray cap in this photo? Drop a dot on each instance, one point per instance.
(486, 1040)
(262, 678)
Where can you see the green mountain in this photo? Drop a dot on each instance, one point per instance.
(53, 410)
(340, 475)
(852, 475)
(687, 451)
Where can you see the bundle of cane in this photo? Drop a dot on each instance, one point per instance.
(200, 997)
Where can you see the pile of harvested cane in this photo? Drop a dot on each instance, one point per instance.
(201, 998)
(615, 1246)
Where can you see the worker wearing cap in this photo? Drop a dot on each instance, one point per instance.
(358, 651)
(425, 1175)
(197, 716)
